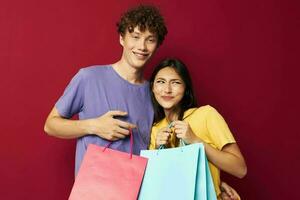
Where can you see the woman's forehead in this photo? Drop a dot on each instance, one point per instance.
(168, 72)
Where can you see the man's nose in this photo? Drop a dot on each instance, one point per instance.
(142, 45)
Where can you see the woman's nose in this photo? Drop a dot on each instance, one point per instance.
(168, 88)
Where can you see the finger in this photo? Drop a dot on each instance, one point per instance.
(163, 133)
(119, 136)
(111, 138)
(161, 143)
(226, 188)
(122, 131)
(165, 138)
(234, 195)
(180, 136)
(166, 134)
(116, 113)
(225, 196)
(126, 125)
(180, 126)
(166, 129)
(162, 137)
(229, 191)
(178, 131)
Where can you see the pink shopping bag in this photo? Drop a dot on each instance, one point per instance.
(109, 174)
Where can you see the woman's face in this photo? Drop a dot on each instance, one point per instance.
(168, 88)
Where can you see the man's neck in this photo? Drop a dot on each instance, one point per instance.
(129, 73)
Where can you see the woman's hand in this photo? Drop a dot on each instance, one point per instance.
(183, 131)
(228, 193)
(163, 136)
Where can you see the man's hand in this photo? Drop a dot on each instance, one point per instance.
(107, 127)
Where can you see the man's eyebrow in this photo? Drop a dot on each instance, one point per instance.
(151, 36)
(136, 32)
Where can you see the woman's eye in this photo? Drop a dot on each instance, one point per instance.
(177, 83)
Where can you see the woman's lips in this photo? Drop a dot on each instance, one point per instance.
(167, 98)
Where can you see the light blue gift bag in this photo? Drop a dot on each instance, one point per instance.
(180, 173)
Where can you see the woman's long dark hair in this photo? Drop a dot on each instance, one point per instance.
(188, 100)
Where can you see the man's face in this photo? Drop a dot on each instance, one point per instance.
(138, 47)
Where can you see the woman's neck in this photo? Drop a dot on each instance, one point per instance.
(172, 114)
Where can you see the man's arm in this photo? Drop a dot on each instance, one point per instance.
(104, 126)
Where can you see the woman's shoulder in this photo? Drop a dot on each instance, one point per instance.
(202, 110)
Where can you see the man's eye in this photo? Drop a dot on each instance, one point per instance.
(151, 40)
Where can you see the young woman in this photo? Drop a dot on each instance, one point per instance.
(178, 117)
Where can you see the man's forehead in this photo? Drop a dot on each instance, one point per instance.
(138, 30)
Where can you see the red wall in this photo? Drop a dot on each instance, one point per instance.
(242, 55)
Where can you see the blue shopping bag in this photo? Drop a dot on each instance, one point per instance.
(177, 173)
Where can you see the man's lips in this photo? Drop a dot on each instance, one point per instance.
(140, 55)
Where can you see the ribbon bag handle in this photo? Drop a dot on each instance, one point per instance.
(182, 143)
(131, 143)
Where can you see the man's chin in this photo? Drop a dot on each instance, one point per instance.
(140, 64)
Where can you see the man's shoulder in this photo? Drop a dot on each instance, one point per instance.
(95, 68)
(94, 71)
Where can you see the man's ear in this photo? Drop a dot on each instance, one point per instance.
(121, 40)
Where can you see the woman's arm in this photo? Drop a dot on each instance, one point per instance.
(228, 159)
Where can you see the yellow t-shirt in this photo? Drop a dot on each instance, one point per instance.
(208, 125)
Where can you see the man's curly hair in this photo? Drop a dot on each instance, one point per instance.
(144, 17)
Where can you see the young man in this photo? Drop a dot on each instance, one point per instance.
(112, 99)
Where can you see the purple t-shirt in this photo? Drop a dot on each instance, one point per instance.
(95, 90)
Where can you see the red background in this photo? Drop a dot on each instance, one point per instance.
(242, 55)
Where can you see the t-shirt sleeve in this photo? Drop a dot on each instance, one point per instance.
(218, 129)
(71, 102)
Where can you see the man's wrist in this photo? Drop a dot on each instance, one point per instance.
(85, 126)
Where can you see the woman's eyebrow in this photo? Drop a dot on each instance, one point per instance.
(176, 79)
(173, 79)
